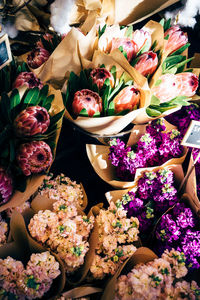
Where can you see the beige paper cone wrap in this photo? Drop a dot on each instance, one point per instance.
(142, 255)
(82, 291)
(98, 157)
(23, 246)
(34, 181)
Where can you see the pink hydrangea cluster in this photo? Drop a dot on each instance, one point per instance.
(64, 231)
(154, 148)
(3, 231)
(116, 235)
(62, 187)
(32, 282)
(158, 279)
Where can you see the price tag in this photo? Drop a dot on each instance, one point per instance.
(5, 52)
(192, 136)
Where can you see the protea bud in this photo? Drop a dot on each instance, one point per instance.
(34, 157)
(87, 99)
(176, 39)
(48, 37)
(128, 45)
(167, 88)
(147, 63)
(29, 79)
(187, 83)
(142, 39)
(127, 99)
(99, 75)
(37, 57)
(31, 121)
(6, 186)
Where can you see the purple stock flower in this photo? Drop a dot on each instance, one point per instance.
(167, 230)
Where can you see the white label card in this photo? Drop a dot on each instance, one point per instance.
(5, 52)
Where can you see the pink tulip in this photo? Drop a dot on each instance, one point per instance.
(34, 157)
(31, 121)
(99, 75)
(29, 79)
(187, 83)
(87, 99)
(127, 99)
(6, 186)
(176, 39)
(128, 45)
(147, 63)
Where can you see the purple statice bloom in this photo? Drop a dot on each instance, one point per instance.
(190, 245)
(146, 185)
(155, 128)
(178, 209)
(165, 198)
(184, 116)
(170, 146)
(147, 146)
(117, 151)
(165, 176)
(186, 219)
(167, 230)
(132, 204)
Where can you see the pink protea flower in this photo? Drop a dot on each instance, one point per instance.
(34, 157)
(37, 57)
(29, 79)
(48, 37)
(147, 63)
(127, 99)
(6, 186)
(99, 75)
(142, 38)
(188, 83)
(31, 121)
(87, 99)
(128, 45)
(167, 89)
(176, 40)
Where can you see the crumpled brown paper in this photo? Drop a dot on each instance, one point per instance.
(98, 156)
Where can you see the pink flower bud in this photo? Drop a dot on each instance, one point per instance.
(34, 157)
(6, 186)
(187, 83)
(87, 99)
(127, 99)
(31, 121)
(142, 38)
(167, 89)
(176, 39)
(147, 63)
(99, 75)
(128, 45)
(37, 57)
(29, 79)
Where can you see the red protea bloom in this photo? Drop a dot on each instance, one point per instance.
(187, 83)
(147, 63)
(37, 57)
(29, 79)
(99, 75)
(176, 39)
(128, 45)
(34, 157)
(6, 186)
(87, 99)
(142, 38)
(127, 99)
(31, 121)
(48, 37)
(167, 89)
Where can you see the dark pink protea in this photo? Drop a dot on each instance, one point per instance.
(142, 38)
(188, 83)
(6, 186)
(99, 75)
(34, 157)
(48, 37)
(31, 121)
(176, 39)
(147, 63)
(167, 89)
(37, 57)
(29, 79)
(128, 45)
(87, 99)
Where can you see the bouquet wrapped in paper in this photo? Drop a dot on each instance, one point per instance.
(30, 126)
(28, 272)
(158, 143)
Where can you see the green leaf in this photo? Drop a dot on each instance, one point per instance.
(180, 50)
(162, 22)
(101, 31)
(5, 107)
(167, 24)
(31, 97)
(47, 102)
(155, 100)
(5, 134)
(179, 100)
(83, 113)
(113, 71)
(111, 108)
(145, 48)
(166, 37)
(57, 117)
(158, 82)
(14, 99)
(96, 114)
(123, 52)
(43, 94)
(152, 112)
(129, 32)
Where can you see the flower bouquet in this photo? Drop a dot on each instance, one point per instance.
(154, 191)
(157, 143)
(30, 125)
(144, 276)
(28, 272)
